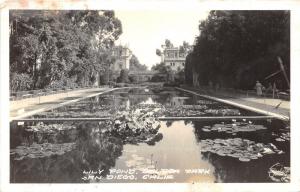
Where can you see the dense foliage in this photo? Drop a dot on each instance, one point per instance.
(237, 48)
(135, 65)
(60, 48)
(164, 72)
(123, 78)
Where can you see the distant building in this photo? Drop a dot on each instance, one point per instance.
(173, 57)
(122, 55)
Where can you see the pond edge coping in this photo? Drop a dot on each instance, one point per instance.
(253, 109)
(62, 104)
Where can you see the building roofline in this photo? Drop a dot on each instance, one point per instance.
(176, 59)
(172, 48)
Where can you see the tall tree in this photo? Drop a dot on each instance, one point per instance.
(135, 65)
(236, 48)
(168, 43)
(56, 48)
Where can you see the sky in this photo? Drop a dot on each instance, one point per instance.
(146, 30)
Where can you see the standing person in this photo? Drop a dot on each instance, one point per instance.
(258, 87)
(269, 88)
(211, 85)
(217, 87)
(275, 91)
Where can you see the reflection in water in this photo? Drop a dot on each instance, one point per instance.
(175, 102)
(94, 150)
(173, 152)
(230, 169)
(47, 158)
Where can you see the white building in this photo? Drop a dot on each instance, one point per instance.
(122, 55)
(173, 57)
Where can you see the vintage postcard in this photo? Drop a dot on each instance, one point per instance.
(149, 96)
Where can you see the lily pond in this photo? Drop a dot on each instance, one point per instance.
(134, 143)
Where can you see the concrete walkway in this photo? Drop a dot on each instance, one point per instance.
(266, 106)
(273, 105)
(26, 107)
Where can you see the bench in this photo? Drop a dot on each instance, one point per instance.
(27, 96)
(12, 98)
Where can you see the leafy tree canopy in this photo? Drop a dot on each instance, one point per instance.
(60, 47)
(135, 65)
(236, 48)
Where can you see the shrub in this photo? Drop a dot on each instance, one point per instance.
(20, 82)
(133, 79)
(123, 78)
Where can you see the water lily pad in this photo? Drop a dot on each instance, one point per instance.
(242, 149)
(196, 107)
(268, 151)
(223, 112)
(206, 102)
(138, 124)
(279, 139)
(179, 111)
(253, 156)
(244, 159)
(221, 154)
(234, 128)
(49, 128)
(41, 150)
(218, 140)
(283, 137)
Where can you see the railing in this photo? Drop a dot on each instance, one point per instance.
(231, 92)
(43, 92)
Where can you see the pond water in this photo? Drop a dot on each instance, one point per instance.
(134, 146)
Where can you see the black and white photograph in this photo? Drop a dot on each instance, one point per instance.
(148, 96)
